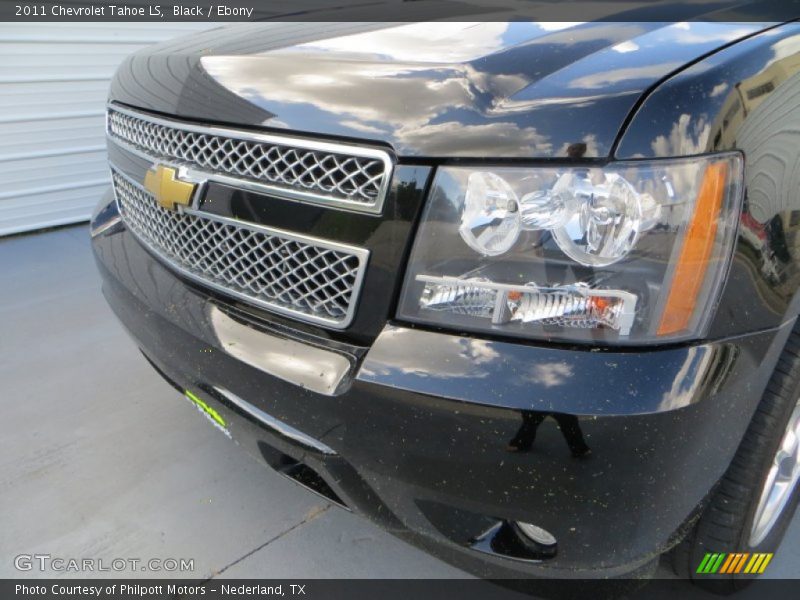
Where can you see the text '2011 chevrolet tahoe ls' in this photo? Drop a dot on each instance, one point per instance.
(522, 293)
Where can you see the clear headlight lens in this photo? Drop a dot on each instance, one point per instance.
(490, 221)
(631, 252)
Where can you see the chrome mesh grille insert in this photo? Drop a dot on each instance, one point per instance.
(319, 171)
(315, 280)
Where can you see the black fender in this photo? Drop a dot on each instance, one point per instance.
(746, 98)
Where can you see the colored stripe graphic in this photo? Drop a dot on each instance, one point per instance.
(704, 563)
(729, 564)
(767, 558)
(758, 563)
(740, 564)
(711, 562)
(734, 563)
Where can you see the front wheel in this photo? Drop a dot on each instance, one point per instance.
(749, 512)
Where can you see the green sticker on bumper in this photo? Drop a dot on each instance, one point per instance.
(211, 414)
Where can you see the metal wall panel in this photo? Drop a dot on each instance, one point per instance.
(53, 83)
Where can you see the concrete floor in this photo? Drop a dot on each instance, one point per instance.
(100, 458)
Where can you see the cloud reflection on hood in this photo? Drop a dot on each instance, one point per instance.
(465, 89)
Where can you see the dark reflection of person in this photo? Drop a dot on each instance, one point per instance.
(568, 424)
(576, 150)
(777, 239)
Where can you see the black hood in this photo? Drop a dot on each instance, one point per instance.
(495, 89)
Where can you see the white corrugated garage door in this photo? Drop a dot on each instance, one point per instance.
(53, 83)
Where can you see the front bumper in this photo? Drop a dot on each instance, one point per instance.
(415, 432)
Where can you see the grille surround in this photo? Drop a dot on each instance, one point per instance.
(334, 175)
(265, 267)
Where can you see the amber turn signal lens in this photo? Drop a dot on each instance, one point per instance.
(693, 261)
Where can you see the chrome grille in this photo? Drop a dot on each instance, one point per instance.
(313, 280)
(332, 174)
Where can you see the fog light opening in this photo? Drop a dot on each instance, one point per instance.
(536, 534)
(508, 540)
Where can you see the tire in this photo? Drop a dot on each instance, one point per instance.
(726, 522)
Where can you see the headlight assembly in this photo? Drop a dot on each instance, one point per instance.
(632, 252)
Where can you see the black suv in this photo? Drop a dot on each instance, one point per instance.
(523, 294)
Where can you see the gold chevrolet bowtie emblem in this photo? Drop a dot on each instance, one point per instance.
(166, 187)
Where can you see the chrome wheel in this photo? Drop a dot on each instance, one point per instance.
(781, 481)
